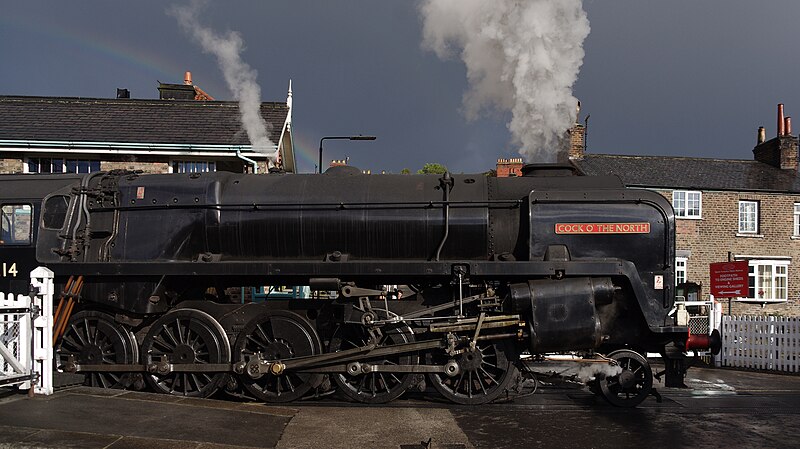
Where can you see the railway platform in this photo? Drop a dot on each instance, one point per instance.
(721, 408)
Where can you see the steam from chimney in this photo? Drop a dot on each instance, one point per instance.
(521, 56)
(239, 76)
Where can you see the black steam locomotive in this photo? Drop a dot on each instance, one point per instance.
(496, 268)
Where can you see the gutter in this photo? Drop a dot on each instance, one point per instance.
(126, 148)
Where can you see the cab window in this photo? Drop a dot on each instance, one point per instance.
(54, 212)
(15, 224)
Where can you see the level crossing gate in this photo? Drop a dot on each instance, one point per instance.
(26, 335)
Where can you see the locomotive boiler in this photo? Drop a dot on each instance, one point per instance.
(550, 262)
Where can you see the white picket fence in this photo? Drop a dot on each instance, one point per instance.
(761, 342)
(26, 335)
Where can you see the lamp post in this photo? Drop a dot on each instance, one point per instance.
(358, 137)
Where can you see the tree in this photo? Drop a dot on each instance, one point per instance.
(405, 171)
(432, 168)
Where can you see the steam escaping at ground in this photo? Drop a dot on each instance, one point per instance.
(521, 56)
(239, 76)
(589, 372)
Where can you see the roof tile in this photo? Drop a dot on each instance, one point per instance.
(692, 173)
(131, 120)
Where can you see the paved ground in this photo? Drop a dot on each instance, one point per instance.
(722, 408)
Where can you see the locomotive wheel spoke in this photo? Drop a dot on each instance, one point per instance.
(95, 338)
(484, 375)
(278, 335)
(186, 336)
(632, 385)
(374, 388)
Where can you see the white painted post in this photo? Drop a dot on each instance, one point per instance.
(42, 280)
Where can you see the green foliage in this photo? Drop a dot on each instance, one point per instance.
(432, 168)
(405, 171)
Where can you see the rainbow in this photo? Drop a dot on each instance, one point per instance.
(306, 151)
(131, 55)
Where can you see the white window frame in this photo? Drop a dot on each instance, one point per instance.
(175, 166)
(681, 265)
(683, 201)
(62, 167)
(775, 289)
(796, 226)
(748, 217)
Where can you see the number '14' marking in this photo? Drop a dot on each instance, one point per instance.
(9, 270)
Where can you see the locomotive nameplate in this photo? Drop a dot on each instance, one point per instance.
(602, 228)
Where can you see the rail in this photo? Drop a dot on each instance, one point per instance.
(26, 338)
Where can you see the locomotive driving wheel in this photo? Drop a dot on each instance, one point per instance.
(278, 335)
(632, 385)
(374, 387)
(93, 338)
(186, 336)
(483, 374)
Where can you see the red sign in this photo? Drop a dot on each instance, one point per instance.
(602, 228)
(729, 279)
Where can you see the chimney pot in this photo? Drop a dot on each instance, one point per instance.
(762, 135)
(187, 78)
(780, 119)
(787, 126)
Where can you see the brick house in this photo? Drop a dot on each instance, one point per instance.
(726, 209)
(182, 131)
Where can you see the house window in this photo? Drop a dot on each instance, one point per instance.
(45, 165)
(680, 270)
(796, 227)
(81, 166)
(769, 280)
(748, 217)
(57, 165)
(687, 204)
(193, 166)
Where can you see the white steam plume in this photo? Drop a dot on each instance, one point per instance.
(588, 372)
(522, 56)
(239, 76)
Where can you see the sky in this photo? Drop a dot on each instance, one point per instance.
(678, 78)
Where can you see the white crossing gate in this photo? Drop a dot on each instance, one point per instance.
(26, 335)
(761, 342)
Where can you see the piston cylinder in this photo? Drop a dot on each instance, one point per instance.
(562, 314)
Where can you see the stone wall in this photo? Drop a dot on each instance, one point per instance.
(147, 167)
(11, 165)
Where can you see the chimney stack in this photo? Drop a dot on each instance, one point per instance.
(509, 167)
(782, 151)
(577, 142)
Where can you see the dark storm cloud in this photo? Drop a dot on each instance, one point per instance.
(673, 78)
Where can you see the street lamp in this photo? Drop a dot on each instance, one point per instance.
(358, 137)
